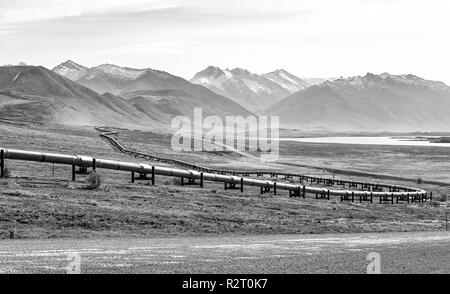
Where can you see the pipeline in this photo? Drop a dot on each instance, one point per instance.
(318, 180)
(295, 190)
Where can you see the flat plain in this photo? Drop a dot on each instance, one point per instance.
(417, 252)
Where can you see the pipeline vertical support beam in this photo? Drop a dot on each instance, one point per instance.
(304, 191)
(93, 164)
(275, 188)
(225, 186)
(353, 196)
(201, 180)
(182, 181)
(73, 172)
(371, 197)
(153, 175)
(446, 220)
(2, 163)
(132, 177)
(242, 185)
(328, 194)
(431, 196)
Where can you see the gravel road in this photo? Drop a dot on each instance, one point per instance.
(412, 252)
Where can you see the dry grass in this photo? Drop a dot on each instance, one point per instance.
(50, 208)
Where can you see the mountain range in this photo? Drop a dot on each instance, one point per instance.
(121, 96)
(371, 102)
(148, 98)
(31, 93)
(254, 92)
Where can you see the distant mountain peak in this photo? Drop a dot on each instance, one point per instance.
(70, 69)
(281, 70)
(117, 72)
(240, 71)
(70, 65)
(251, 90)
(386, 80)
(212, 71)
(287, 80)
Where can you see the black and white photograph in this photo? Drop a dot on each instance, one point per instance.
(224, 138)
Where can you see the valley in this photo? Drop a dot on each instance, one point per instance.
(44, 111)
(53, 207)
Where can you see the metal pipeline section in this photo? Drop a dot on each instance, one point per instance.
(143, 168)
(392, 188)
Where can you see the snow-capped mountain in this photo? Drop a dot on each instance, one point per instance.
(253, 91)
(382, 102)
(287, 80)
(158, 93)
(37, 94)
(70, 70)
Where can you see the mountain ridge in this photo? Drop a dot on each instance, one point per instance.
(372, 102)
(253, 91)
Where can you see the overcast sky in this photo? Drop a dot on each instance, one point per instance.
(310, 38)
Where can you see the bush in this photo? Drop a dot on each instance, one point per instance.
(172, 182)
(94, 181)
(177, 181)
(442, 198)
(7, 173)
(420, 181)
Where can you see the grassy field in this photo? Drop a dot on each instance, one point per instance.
(39, 201)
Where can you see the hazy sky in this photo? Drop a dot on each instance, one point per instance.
(311, 38)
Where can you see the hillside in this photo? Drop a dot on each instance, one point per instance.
(37, 94)
(163, 105)
(374, 102)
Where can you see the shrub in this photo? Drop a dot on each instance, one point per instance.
(172, 182)
(177, 181)
(420, 181)
(7, 173)
(442, 198)
(94, 181)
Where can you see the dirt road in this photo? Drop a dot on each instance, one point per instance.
(427, 252)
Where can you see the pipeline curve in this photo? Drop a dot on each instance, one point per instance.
(369, 190)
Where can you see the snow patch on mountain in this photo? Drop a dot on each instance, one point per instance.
(120, 72)
(70, 70)
(287, 80)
